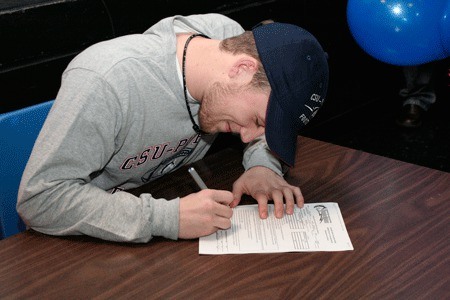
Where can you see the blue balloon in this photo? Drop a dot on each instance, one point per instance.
(445, 28)
(401, 32)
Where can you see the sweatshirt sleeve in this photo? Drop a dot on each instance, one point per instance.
(78, 139)
(257, 153)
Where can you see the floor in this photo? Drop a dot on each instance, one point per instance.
(371, 127)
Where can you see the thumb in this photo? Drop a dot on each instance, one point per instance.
(237, 194)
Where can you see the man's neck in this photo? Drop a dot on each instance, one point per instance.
(202, 61)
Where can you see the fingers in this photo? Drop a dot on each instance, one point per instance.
(235, 202)
(204, 212)
(262, 200)
(219, 196)
(222, 212)
(277, 197)
(284, 200)
(237, 194)
(298, 197)
(222, 222)
(278, 201)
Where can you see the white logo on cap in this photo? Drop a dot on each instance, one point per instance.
(314, 109)
(304, 119)
(316, 98)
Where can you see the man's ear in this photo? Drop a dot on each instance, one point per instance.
(244, 66)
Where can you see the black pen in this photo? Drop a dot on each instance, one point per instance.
(201, 184)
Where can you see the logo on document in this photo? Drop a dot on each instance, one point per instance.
(324, 215)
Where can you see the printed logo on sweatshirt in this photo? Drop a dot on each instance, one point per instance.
(167, 165)
(178, 155)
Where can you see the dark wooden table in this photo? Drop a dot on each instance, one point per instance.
(397, 216)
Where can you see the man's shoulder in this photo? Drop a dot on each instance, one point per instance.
(218, 25)
(103, 56)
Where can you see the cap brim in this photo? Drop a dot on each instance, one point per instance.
(297, 70)
(282, 136)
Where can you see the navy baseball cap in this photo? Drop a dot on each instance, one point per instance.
(297, 69)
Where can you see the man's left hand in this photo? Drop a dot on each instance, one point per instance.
(263, 185)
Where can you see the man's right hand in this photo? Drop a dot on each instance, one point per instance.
(204, 213)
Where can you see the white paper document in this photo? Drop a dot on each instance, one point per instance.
(314, 227)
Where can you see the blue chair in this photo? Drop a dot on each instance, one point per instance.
(18, 132)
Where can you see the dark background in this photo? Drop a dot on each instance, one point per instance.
(39, 38)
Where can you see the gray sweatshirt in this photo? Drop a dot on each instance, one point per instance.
(119, 121)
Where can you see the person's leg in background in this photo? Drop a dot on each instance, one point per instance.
(418, 95)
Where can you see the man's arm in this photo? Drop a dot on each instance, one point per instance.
(77, 141)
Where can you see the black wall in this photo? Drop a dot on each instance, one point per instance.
(39, 38)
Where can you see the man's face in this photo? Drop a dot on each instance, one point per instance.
(241, 111)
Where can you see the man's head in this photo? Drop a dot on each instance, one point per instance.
(294, 67)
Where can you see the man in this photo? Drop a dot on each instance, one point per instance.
(137, 107)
